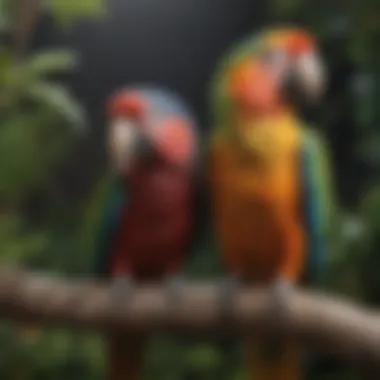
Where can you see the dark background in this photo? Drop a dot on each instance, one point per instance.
(175, 44)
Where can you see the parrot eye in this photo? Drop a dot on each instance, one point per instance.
(275, 59)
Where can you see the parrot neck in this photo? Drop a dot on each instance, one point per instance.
(268, 135)
(277, 111)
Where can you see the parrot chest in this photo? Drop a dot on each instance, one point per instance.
(252, 198)
(156, 220)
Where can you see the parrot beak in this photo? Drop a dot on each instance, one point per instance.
(305, 81)
(127, 143)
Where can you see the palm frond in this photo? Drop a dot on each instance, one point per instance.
(67, 12)
(50, 62)
(59, 99)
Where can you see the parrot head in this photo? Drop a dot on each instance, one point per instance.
(284, 67)
(147, 124)
(264, 77)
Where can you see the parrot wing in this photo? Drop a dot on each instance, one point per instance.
(316, 201)
(103, 219)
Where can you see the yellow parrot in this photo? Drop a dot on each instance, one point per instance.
(269, 178)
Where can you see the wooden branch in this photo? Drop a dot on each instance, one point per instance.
(335, 325)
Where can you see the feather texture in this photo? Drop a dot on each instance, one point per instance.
(316, 200)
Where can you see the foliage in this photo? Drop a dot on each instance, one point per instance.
(39, 120)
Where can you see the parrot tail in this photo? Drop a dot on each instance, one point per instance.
(270, 360)
(125, 354)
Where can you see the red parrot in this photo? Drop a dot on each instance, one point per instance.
(147, 224)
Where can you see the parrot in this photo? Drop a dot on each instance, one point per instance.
(270, 180)
(147, 221)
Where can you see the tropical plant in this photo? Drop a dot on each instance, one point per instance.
(39, 120)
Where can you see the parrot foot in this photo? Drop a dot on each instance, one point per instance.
(175, 286)
(281, 290)
(229, 287)
(122, 288)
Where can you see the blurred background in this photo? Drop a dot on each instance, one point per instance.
(60, 59)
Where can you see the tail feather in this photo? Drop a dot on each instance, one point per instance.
(286, 364)
(125, 356)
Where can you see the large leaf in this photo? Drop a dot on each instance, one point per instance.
(5, 16)
(59, 99)
(67, 12)
(27, 79)
(17, 244)
(50, 62)
(29, 147)
(5, 67)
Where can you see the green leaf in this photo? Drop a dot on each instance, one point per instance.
(59, 99)
(5, 17)
(26, 160)
(22, 80)
(5, 65)
(203, 357)
(285, 7)
(50, 62)
(67, 12)
(18, 245)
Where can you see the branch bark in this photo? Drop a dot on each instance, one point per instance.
(335, 325)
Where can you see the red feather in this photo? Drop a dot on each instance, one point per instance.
(127, 104)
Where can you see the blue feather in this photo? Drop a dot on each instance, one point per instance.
(313, 210)
(115, 203)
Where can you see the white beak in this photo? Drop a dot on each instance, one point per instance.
(311, 75)
(122, 136)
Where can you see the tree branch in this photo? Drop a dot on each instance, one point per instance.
(336, 326)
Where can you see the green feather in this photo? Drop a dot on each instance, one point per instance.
(220, 104)
(97, 229)
(318, 203)
(324, 181)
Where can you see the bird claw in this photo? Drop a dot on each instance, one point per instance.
(229, 287)
(175, 286)
(122, 288)
(281, 290)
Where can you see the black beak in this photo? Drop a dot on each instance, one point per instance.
(293, 91)
(305, 81)
(143, 147)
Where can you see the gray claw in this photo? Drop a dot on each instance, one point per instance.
(122, 288)
(282, 290)
(175, 286)
(229, 287)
